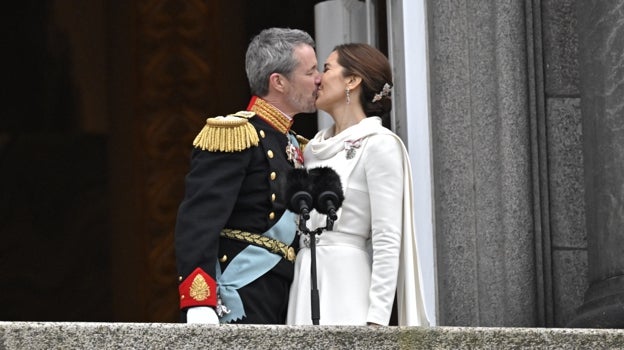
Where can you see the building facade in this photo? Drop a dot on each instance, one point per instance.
(518, 138)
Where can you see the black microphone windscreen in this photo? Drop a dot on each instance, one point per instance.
(326, 179)
(296, 186)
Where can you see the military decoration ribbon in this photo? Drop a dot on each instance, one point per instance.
(294, 155)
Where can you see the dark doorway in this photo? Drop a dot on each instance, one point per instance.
(101, 103)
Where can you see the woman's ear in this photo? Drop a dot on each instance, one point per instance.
(354, 81)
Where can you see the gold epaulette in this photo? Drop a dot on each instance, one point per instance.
(231, 133)
(303, 142)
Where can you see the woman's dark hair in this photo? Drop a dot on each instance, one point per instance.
(373, 67)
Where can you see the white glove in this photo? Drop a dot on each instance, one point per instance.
(202, 314)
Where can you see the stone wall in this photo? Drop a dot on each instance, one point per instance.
(508, 162)
(180, 336)
(564, 154)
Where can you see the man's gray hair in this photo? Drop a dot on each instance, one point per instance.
(270, 52)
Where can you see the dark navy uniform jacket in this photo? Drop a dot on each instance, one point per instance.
(237, 190)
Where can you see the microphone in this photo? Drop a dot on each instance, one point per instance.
(326, 190)
(297, 192)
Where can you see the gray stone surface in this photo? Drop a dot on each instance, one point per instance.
(560, 44)
(601, 48)
(481, 163)
(44, 336)
(568, 252)
(566, 180)
(569, 283)
(453, 165)
(602, 55)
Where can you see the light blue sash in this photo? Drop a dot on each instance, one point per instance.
(251, 263)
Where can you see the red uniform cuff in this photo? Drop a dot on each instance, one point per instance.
(198, 289)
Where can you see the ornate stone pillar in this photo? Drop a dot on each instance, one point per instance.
(601, 61)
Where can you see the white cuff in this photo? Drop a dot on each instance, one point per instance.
(202, 314)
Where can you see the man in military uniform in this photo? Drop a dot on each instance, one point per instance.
(234, 237)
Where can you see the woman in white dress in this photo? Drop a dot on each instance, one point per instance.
(370, 255)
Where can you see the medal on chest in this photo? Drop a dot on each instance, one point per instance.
(294, 155)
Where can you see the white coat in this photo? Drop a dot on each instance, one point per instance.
(371, 252)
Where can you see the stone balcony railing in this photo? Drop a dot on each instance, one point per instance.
(66, 335)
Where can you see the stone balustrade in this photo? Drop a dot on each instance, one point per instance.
(66, 335)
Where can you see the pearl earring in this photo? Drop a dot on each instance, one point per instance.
(348, 92)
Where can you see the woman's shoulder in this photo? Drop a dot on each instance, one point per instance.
(384, 136)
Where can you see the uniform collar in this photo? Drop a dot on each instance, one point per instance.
(270, 114)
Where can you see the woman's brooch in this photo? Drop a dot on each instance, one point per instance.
(351, 146)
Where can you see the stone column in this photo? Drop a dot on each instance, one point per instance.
(482, 163)
(601, 61)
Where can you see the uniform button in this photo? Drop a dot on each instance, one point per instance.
(271, 215)
(273, 175)
(273, 197)
(262, 133)
(223, 258)
(270, 153)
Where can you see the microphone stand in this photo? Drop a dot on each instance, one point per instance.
(314, 293)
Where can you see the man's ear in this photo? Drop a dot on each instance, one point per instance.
(276, 82)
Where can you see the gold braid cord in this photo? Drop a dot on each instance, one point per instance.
(232, 133)
(270, 244)
(303, 142)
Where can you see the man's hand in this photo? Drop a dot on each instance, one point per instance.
(202, 314)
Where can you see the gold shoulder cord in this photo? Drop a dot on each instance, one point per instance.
(303, 142)
(232, 133)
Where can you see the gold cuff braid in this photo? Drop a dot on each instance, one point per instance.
(270, 244)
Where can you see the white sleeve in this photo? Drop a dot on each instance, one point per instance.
(384, 175)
